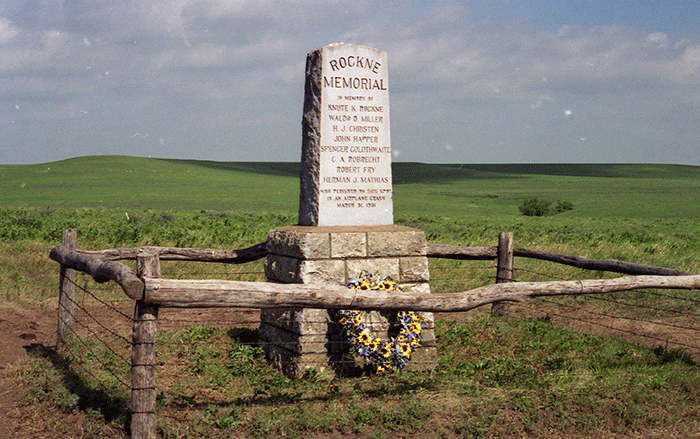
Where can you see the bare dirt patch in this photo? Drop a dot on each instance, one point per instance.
(20, 329)
(27, 330)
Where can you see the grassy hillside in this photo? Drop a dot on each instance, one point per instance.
(640, 213)
(496, 377)
(631, 191)
(598, 190)
(138, 183)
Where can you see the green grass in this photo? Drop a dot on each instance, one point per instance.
(596, 191)
(128, 183)
(512, 377)
(639, 213)
(495, 378)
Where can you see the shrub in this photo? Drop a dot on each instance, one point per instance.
(563, 206)
(535, 207)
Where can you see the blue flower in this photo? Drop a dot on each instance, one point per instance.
(382, 355)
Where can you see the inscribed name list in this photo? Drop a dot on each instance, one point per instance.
(354, 146)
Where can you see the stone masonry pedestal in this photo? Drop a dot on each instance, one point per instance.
(298, 339)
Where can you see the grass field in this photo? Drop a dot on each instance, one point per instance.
(519, 376)
(620, 191)
(641, 213)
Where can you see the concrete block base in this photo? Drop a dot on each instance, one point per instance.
(297, 339)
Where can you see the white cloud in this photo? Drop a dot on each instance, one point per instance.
(236, 66)
(7, 30)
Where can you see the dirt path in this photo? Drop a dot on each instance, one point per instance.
(24, 329)
(20, 329)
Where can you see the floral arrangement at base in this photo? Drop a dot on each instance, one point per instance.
(383, 355)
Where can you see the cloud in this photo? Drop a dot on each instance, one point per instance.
(7, 30)
(443, 49)
(236, 68)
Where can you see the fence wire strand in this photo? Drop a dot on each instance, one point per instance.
(610, 327)
(81, 363)
(649, 307)
(173, 322)
(583, 310)
(97, 321)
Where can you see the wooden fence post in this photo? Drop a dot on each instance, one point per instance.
(143, 357)
(504, 271)
(66, 292)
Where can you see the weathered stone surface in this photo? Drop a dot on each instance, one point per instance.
(385, 266)
(292, 270)
(294, 365)
(304, 242)
(306, 344)
(282, 268)
(302, 321)
(414, 269)
(427, 320)
(299, 243)
(348, 244)
(399, 243)
(310, 166)
(329, 271)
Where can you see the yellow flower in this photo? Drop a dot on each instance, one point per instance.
(366, 344)
(364, 337)
(386, 351)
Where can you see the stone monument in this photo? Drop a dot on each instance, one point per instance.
(346, 144)
(345, 215)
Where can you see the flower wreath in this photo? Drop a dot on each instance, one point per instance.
(382, 355)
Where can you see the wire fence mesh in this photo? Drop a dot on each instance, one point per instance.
(100, 341)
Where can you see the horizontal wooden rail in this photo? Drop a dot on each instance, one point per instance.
(488, 253)
(100, 270)
(444, 251)
(252, 253)
(219, 293)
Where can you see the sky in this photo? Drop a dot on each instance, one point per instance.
(483, 81)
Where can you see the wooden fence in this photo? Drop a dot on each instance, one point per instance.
(150, 292)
